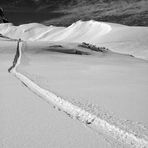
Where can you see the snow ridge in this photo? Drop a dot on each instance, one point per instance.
(79, 31)
(94, 122)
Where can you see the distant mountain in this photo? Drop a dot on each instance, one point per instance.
(65, 12)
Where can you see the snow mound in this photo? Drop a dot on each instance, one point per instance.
(118, 38)
(77, 32)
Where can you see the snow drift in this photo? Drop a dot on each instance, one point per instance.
(79, 31)
(119, 38)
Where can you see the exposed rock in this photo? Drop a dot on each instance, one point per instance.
(3, 19)
(93, 47)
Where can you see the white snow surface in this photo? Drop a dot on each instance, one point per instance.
(113, 74)
(77, 32)
(114, 36)
(124, 137)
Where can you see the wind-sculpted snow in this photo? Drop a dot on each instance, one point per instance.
(79, 31)
(118, 38)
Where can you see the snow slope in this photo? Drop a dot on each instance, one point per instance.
(125, 137)
(77, 31)
(53, 59)
(27, 121)
(120, 38)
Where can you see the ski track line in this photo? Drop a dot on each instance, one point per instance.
(92, 121)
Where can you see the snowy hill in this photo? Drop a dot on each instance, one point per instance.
(119, 38)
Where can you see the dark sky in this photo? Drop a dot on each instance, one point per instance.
(66, 12)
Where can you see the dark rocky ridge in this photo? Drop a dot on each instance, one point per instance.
(65, 12)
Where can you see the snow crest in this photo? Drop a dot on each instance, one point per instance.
(77, 32)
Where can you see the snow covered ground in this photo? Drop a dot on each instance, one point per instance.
(27, 121)
(114, 36)
(111, 85)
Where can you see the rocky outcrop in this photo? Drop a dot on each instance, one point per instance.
(3, 19)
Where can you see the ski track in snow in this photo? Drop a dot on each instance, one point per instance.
(94, 122)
